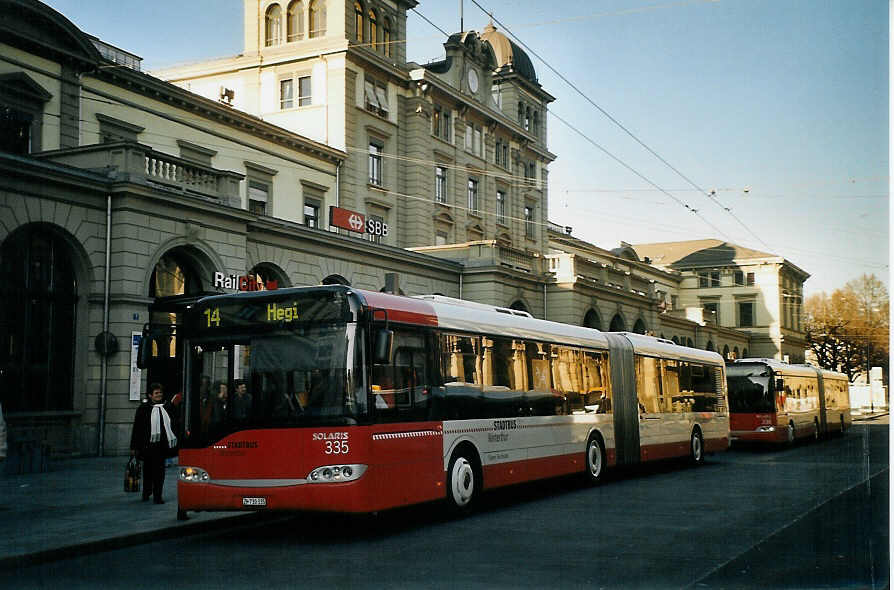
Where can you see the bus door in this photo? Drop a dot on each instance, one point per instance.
(163, 354)
(821, 391)
(624, 402)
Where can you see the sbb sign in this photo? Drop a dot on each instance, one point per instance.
(356, 222)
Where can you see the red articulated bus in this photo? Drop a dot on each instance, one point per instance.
(338, 399)
(775, 402)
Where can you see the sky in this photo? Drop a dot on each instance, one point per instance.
(760, 122)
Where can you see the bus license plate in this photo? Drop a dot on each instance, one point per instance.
(254, 501)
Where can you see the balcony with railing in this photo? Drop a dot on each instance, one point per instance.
(569, 268)
(126, 161)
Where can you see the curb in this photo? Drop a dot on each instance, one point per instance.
(129, 540)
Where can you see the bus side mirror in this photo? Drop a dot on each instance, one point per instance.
(383, 346)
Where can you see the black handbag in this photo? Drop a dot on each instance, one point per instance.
(132, 476)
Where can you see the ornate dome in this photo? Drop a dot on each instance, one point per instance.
(509, 54)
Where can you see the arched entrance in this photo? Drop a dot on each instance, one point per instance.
(518, 305)
(710, 346)
(266, 276)
(592, 320)
(617, 324)
(639, 327)
(176, 274)
(726, 355)
(39, 296)
(335, 280)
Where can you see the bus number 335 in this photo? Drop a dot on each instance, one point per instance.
(337, 447)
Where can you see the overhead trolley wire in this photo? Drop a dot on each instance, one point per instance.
(625, 129)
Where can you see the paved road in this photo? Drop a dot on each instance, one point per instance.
(812, 516)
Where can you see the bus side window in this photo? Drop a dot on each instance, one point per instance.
(596, 392)
(566, 370)
(648, 383)
(672, 386)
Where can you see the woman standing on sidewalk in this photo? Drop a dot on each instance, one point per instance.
(153, 439)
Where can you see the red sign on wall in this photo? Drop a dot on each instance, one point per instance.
(347, 219)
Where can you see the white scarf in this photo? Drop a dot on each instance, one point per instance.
(159, 414)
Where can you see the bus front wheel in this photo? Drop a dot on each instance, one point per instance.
(595, 459)
(462, 481)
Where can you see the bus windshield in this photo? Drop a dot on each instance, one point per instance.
(301, 376)
(750, 390)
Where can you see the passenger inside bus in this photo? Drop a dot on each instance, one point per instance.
(242, 402)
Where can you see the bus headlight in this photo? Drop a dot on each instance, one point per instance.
(194, 475)
(336, 473)
(765, 429)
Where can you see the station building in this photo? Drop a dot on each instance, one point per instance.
(119, 190)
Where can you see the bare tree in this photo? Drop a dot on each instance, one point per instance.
(848, 330)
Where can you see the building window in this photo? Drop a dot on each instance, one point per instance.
(257, 197)
(501, 207)
(529, 222)
(440, 184)
(386, 37)
(501, 153)
(746, 314)
(473, 195)
(749, 279)
(738, 278)
(311, 213)
(527, 121)
(440, 123)
(709, 279)
(375, 163)
(373, 30)
(440, 238)
(286, 94)
(473, 139)
(15, 131)
(273, 26)
(536, 124)
(39, 295)
(295, 21)
(711, 312)
(376, 97)
(316, 13)
(358, 22)
(304, 91)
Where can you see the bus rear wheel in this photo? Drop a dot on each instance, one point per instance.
(697, 447)
(595, 459)
(462, 481)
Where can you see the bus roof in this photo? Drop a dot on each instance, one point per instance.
(783, 368)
